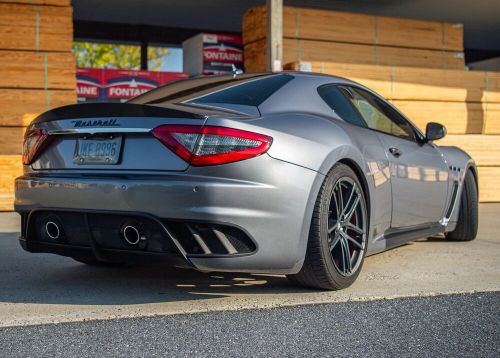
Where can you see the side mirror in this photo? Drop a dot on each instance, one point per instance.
(434, 131)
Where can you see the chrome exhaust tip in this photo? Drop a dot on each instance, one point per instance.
(52, 230)
(132, 234)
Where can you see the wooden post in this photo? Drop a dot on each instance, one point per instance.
(274, 48)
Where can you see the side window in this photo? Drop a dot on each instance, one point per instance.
(378, 114)
(340, 105)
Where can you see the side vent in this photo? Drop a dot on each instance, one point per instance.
(451, 205)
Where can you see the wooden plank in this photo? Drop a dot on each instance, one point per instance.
(16, 102)
(7, 201)
(489, 190)
(377, 78)
(321, 51)
(254, 24)
(11, 140)
(254, 56)
(40, 2)
(399, 32)
(26, 27)
(484, 149)
(492, 119)
(491, 86)
(10, 167)
(337, 26)
(451, 97)
(419, 58)
(23, 69)
(453, 38)
(410, 83)
(29, 16)
(296, 50)
(438, 84)
(457, 117)
(334, 26)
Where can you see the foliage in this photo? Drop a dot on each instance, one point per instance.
(112, 55)
(156, 57)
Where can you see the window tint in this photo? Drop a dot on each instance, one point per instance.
(378, 114)
(340, 105)
(251, 93)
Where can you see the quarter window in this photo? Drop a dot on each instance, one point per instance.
(340, 105)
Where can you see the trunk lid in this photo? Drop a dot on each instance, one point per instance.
(126, 127)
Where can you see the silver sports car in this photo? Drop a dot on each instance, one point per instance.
(292, 173)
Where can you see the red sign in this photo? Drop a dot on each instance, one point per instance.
(88, 82)
(127, 84)
(119, 85)
(220, 51)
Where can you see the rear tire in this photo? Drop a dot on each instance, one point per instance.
(325, 265)
(466, 229)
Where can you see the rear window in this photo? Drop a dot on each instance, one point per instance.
(246, 89)
(251, 93)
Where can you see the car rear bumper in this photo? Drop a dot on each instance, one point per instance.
(266, 201)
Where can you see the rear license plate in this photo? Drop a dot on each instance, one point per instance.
(97, 150)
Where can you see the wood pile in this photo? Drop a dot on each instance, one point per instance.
(466, 102)
(325, 35)
(37, 73)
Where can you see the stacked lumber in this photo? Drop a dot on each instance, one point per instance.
(42, 28)
(324, 35)
(37, 73)
(467, 103)
(485, 150)
(10, 167)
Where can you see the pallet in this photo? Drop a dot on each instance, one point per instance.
(23, 69)
(40, 28)
(337, 26)
(16, 102)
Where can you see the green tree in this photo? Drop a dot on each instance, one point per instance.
(156, 57)
(107, 55)
(122, 56)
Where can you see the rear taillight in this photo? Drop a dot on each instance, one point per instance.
(34, 141)
(212, 145)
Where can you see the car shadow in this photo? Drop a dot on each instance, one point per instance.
(51, 279)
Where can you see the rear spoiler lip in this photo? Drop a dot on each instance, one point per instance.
(112, 110)
(95, 130)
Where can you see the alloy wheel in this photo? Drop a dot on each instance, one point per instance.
(347, 226)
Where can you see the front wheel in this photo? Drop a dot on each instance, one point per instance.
(466, 229)
(338, 234)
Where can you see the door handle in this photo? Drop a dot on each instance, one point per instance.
(395, 152)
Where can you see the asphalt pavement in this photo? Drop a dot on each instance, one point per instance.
(464, 325)
(44, 288)
(427, 298)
